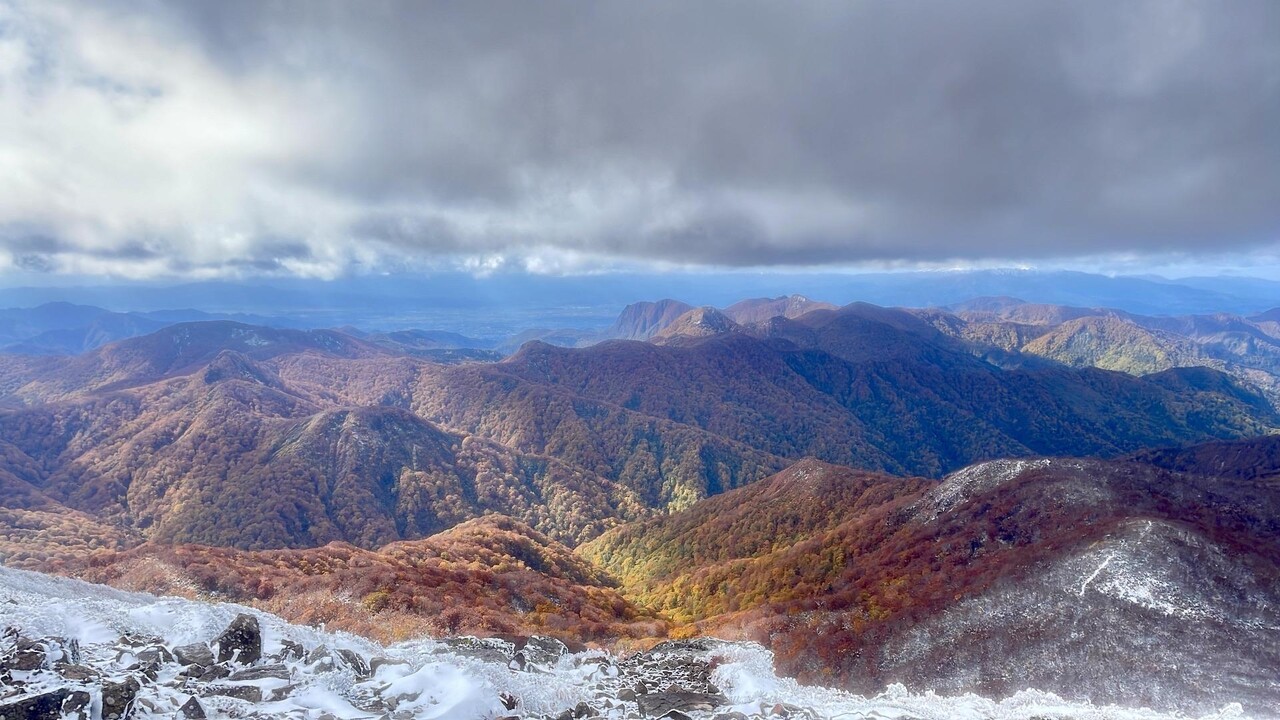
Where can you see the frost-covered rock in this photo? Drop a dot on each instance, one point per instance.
(36, 707)
(194, 654)
(241, 642)
(118, 697)
(139, 656)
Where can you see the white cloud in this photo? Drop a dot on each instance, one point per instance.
(232, 138)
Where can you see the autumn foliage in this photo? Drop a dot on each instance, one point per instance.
(493, 575)
(859, 558)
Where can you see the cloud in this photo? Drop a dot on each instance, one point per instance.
(314, 138)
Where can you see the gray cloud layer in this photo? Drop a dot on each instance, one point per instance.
(309, 137)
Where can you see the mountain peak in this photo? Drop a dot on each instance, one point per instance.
(232, 365)
(643, 320)
(758, 310)
(699, 323)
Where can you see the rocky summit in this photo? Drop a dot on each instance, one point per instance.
(141, 675)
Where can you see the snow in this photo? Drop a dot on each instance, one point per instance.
(750, 683)
(958, 487)
(250, 338)
(1132, 572)
(433, 680)
(1074, 483)
(439, 690)
(1084, 586)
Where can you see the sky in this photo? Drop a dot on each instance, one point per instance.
(143, 140)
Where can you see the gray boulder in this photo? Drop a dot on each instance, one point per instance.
(241, 641)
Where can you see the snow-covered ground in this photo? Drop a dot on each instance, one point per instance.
(309, 673)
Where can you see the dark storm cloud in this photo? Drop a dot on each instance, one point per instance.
(743, 133)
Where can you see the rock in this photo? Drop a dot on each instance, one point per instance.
(251, 693)
(279, 672)
(205, 673)
(194, 654)
(378, 662)
(155, 654)
(676, 665)
(582, 710)
(354, 661)
(543, 650)
(321, 656)
(46, 706)
(70, 649)
(290, 650)
(26, 660)
(690, 645)
(281, 693)
(518, 662)
(192, 709)
(149, 670)
(81, 673)
(660, 704)
(27, 655)
(216, 671)
(241, 641)
(77, 705)
(134, 640)
(487, 649)
(118, 697)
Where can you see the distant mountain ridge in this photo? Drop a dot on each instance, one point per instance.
(63, 328)
(651, 427)
(378, 297)
(756, 310)
(643, 320)
(1247, 349)
(368, 443)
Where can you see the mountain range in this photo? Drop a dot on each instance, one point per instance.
(980, 498)
(378, 301)
(363, 442)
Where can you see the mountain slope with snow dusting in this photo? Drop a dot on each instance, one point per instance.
(1112, 581)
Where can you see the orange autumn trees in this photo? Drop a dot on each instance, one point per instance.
(485, 576)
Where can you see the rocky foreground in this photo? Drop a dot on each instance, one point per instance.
(74, 650)
(146, 676)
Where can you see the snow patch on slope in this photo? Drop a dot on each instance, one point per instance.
(1153, 614)
(1074, 482)
(961, 486)
(1132, 571)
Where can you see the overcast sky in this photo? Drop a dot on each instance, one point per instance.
(228, 138)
